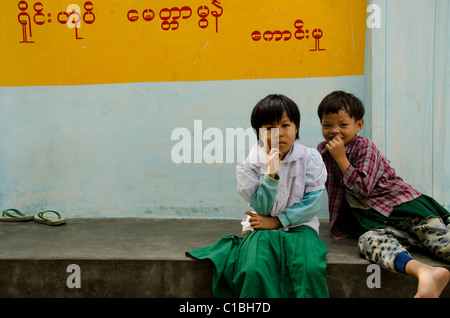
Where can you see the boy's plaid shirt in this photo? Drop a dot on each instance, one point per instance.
(369, 177)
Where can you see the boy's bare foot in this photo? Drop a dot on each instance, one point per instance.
(432, 280)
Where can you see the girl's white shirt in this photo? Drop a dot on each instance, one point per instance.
(301, 171)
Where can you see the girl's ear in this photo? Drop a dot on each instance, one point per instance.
(359, 125)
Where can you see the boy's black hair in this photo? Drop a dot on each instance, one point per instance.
(340, 100)
(270, 109)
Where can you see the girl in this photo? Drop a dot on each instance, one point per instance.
(281, 254)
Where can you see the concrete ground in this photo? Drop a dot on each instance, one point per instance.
(144, 257)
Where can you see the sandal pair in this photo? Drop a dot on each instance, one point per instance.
(17, 216)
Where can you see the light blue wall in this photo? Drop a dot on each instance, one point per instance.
(105, 150)
(407, 73)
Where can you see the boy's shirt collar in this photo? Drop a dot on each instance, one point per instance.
(350, 144)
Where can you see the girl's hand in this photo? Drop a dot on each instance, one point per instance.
(273, 159)
(337, 151)
(260, 222)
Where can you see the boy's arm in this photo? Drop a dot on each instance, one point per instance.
(361, 177)
(337, 151)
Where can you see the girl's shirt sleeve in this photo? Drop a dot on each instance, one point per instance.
(305, 210)
(309, 205)
(316, 172)
(264, 198)
(247, 180)
(259, 191)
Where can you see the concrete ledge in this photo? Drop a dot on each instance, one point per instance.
(105, 278)
(142, 257)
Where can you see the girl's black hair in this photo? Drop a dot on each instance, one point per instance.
(270, 109)
(340, 100)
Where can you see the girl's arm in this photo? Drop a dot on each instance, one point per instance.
(303, 211)
(299, 213)
(264, 197)
(247, 180)
(309, 205)
(259, 192)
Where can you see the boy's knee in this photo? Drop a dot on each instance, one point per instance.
(366, 241)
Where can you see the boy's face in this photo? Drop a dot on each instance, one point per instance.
(287, 131)
(340, 125)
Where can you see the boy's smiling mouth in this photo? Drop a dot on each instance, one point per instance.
(330, 138)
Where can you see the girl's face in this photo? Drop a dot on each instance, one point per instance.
(287, 132)
(340, 125)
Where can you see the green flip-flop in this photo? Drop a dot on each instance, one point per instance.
(49, 219)
(17, 216)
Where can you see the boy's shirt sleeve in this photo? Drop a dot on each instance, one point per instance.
(363, 173)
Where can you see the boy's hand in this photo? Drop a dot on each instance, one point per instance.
(337, 151)
(260, 222)
(336, 147)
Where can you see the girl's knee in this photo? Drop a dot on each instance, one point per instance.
(317, 270)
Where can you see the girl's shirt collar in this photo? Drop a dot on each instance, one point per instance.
(258, 155)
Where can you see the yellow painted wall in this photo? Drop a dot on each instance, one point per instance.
(73, 42)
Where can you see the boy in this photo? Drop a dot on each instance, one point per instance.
(368, 199)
